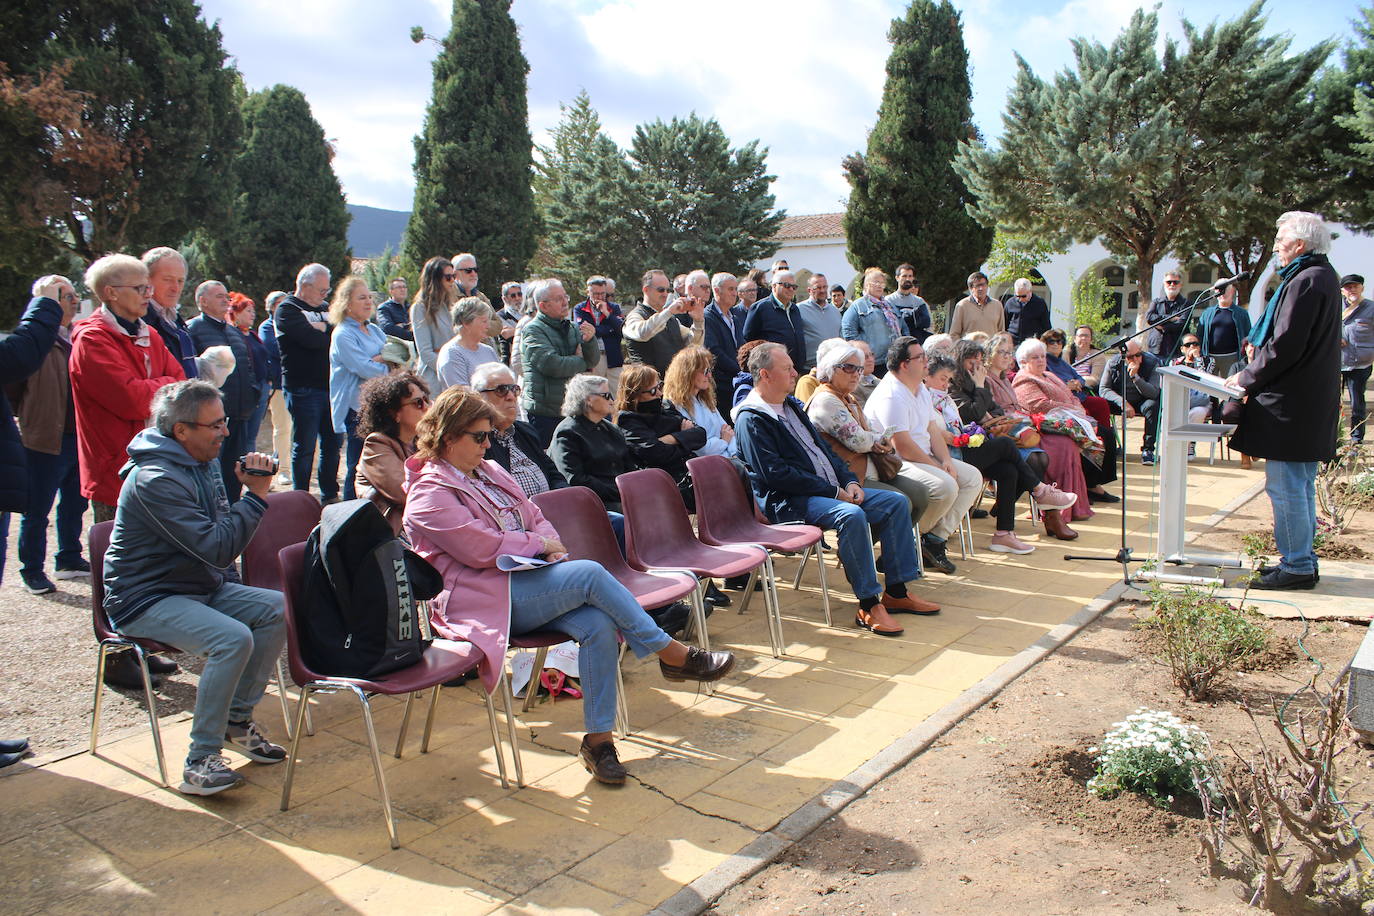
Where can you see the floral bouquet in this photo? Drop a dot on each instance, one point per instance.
(970, 436)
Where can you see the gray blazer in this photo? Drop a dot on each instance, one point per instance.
(1357, 335)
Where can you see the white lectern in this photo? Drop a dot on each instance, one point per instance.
(1175, 434)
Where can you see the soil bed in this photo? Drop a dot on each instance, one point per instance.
(995, 815)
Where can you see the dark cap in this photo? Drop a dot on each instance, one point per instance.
(1352, 278)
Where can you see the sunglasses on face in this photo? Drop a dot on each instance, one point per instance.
(467, 270)
(1191, 343)
(603, 394)
(788, 285)
(450, 277)
(504, 391)
(850, 368)
(659, 289)
(1172, 283)
(480, 436)
(657, 389)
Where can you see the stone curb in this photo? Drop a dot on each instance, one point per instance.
(696, 897)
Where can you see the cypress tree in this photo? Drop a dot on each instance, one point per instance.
(906, 202)
(1352, 150)
(474, 158)
(289, 210)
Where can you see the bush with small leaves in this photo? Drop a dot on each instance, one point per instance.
(1204, 637)
(1154, 753)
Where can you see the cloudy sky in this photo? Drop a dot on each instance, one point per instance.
(802, 76)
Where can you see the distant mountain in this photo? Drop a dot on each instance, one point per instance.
(373, 229)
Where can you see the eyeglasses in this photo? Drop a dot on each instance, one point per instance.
(918, 358)
(516, 294)
(657, 389)
(143, 290)
(449, 276)
(1173, 282)
(421, 402)
(1023, 296)
(480, 436)
(504, 391)
(850, 368)
(1134, 355)
(1191, 343)
(467, 270)
(603, 394)
(221, 424)
(788, 285)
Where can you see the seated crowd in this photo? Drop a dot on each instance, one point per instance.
(452, 416)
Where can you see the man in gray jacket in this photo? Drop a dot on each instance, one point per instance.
(169, 575)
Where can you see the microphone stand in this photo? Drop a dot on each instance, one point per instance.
(1124, 553)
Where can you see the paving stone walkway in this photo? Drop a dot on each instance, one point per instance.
(710, 774)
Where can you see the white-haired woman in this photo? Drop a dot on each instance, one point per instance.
(467, 350)
(840, 420)
(589, 450)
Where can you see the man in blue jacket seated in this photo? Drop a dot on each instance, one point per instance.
(799, 478)
(169, 575)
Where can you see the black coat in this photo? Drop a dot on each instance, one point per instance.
(1293, 382)
(528, 439)
(592, 455)
(642, 431)
(20, 356)
(1026, 320)
(240, 390)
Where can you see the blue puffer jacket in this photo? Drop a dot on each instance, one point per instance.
(175, 532)
(20, 356)
(240, 389)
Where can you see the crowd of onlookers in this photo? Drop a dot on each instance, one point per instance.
(451, 413)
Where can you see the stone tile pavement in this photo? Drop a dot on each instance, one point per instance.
(710, 773)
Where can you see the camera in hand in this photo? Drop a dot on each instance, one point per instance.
(258, 472)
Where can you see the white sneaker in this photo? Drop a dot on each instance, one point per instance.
(1007, 542)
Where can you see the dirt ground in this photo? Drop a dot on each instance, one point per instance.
(995, 815)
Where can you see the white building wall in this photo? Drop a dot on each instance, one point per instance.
(820, 256)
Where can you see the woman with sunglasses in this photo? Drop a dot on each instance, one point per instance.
(463, 513)
(588, 449)
(430, 317)
(659, 436)
(389, 410)
(1190, 356)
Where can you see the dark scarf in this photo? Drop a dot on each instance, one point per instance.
(1265, 326)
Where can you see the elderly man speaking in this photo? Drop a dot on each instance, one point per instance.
(1292, 392)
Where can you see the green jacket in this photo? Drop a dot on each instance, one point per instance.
(549, 354)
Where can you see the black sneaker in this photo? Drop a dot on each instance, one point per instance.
(37, 583)
(716, 596)
(934, 556)
(1276, 579)
(121, 670)
(1147, 457)
(73, 569)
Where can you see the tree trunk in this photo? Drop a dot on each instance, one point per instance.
(1144, 286)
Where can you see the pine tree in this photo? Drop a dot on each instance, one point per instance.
(906, 202)
(144, 163)
(698, 203)
(290, 209)
(474, 159)
(1131, 145)
(1351, 151)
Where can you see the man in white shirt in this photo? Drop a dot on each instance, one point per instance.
(902, 400)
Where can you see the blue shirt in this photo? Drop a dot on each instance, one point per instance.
(350, 364)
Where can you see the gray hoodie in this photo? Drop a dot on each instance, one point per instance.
(174, 532)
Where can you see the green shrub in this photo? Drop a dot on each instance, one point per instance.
(1204, 637)
(1154, 753)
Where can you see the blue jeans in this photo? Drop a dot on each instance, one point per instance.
(235, 447)
(311, 421)
(580, 598)
(1292, 489)
(255, 418)
(239, 630)
(353, 453)
(890, 513)
(50, 475)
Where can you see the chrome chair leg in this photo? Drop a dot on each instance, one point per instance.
(295, 747)
(98, 701)
(825, 586)
(377, 767)
(496, 739)
(622, 708)
(429, 719)
(541, 655)
(510, 728)
(405, 725)
(152, 711)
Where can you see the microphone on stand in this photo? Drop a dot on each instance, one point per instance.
(1227, 281)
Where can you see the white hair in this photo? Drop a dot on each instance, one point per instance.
(1308, 228)
(610, 285)
(204, 289)
(1031, 346)
(832, 358)
(581, 387)
(484, 374)
(153, 256)
(698, 276)
(49, 280)
(542, 289)
(1022, 283)
(779, 274)
(596, 280)
(720, 278)
(110, 269)
(309, 273)
(938, 341)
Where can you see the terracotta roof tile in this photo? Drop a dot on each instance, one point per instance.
(813, 226)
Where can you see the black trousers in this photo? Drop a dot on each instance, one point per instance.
(999, 460)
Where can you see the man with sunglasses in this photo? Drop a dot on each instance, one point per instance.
(1142, 392)
(777, 320)
(465, 269)
(653, 332)
(169, 575)
(1171, 305)
(1027, 315)
(604, 315)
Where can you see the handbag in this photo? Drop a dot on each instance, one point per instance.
(887, 464)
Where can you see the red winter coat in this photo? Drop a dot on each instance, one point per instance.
(114, 377)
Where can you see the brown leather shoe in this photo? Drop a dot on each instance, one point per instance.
(1246, 462)
(602, 761)
(700, 665)
(876, 620)
(1055, 526)
(909, 605)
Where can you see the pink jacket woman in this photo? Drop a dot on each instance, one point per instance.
(453, 527)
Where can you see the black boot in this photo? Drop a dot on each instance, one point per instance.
(716, 596)
(121, 670)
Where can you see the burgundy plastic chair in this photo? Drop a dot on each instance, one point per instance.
(290, 517)
(443, 661)
(658, 536)
(113, 642)
(578, 509)
(725, 515)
